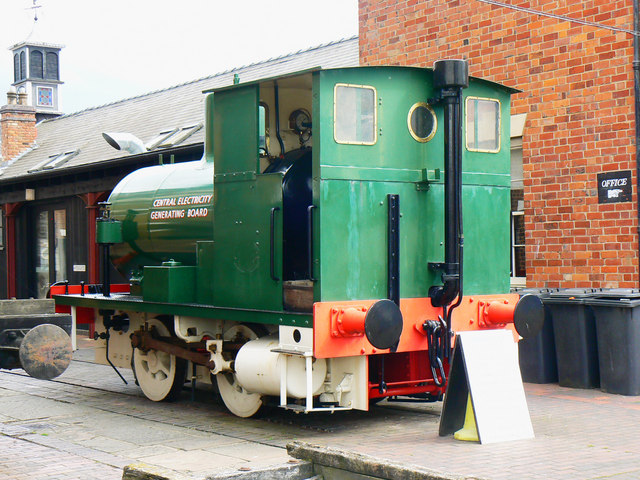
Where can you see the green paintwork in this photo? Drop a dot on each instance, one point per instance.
(237, 271)
(351, 183)
(169, 283)
(204, 279)
(235, 130)
(149, 241)
(240, 270)
(108, 231)
(228, 250)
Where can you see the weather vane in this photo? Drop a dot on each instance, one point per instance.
(35, 8)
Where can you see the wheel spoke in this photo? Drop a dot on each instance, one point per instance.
(164, 363)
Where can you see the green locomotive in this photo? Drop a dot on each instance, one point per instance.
(315, 254)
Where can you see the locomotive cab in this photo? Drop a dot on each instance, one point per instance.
(263, 191)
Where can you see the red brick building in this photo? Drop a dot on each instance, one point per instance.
(577, 83)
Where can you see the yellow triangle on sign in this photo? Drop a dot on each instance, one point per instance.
(469, 431)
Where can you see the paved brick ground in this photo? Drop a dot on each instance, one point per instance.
(87, 425)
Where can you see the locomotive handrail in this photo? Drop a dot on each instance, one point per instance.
(272, 244)
(310, 234)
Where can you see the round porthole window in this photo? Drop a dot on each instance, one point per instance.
(422, 122)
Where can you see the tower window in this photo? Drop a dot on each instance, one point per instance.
(51, 70)
(16, 67)
(23, 66)
(45, 97)
(35, 64)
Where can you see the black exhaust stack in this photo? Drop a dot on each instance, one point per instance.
(450, 77)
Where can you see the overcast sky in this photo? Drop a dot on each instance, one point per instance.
(116, 49)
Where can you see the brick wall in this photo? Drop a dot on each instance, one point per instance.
(577, 92)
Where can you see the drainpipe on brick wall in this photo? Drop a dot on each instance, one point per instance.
(636, 84)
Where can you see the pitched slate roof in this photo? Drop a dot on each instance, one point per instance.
(147, 115)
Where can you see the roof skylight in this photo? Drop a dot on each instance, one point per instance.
(54, 161)
(171, 138)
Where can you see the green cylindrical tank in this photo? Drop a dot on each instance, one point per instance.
(164, 211)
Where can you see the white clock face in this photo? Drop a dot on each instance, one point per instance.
(45, 97)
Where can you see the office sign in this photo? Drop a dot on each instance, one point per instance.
(614, 187)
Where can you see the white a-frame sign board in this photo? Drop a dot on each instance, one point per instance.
(485, 365)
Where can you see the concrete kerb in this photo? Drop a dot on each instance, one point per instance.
(298, 471)
(142, 471)
(327, 460)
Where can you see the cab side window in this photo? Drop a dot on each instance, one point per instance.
(355, 115)
(483, 124)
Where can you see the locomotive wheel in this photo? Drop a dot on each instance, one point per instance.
(237, 400)
(160, 375)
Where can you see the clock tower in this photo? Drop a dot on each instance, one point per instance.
(36, 72)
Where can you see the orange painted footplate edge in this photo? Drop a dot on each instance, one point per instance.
(328, 343)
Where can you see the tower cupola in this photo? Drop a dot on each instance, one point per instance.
(36, 72)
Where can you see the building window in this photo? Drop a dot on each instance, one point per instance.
(51, 70)
(354, 114)
(160, 138)
(483, 124)
(180, 136)
(23, 66)
(54, 161)
(518, 264)
(45, 97)
(16, 67)
(36, 65)
(1, 229)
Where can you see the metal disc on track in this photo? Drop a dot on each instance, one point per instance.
(45, 351)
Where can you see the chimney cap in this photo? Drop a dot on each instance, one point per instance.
(12, 97)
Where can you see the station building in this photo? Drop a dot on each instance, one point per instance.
(55, 169)
(574, 169)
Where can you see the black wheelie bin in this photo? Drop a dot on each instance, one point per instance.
(574, 331)
(617, 317)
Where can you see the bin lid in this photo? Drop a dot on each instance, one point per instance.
(614, 302)
(538, 292)
(616, 293)
(573, 293)
(568, 296)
